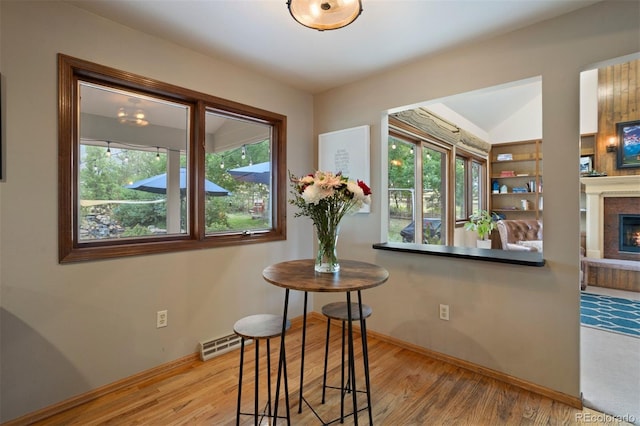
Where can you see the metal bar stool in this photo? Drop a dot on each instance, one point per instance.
(339, 311)
(261, 327)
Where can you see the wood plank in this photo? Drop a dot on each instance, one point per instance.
(618, 101)
(612, 276)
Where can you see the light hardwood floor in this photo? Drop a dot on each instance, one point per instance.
(407, 389)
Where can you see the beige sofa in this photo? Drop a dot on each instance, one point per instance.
(520, 235)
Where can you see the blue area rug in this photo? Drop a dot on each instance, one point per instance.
(610, 313)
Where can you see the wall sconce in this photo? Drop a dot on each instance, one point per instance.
(612, 147)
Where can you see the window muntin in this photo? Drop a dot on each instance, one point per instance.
(172, 142)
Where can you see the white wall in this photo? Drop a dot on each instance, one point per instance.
(67, 329)
(589, 102)
(522, 321)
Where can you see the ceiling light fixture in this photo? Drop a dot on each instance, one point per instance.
(324, 15)
(132, 115)
(135, 118)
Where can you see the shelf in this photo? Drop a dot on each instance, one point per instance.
(527, 258)
(514, 161)
(516, 177)
(516, 193)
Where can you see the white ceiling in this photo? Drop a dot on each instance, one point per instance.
(261, 35)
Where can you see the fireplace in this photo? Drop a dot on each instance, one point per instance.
(629, 225)
(608, 197)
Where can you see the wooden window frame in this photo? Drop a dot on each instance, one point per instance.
(70, 249)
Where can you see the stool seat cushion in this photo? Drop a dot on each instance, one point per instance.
(338, 311)
(260, 326)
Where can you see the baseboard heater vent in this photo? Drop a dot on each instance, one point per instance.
(214, 347)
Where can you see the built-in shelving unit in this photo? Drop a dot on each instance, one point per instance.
(516, 179)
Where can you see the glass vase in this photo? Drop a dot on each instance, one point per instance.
(327, 256)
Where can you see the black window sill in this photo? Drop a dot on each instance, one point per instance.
(486, 255)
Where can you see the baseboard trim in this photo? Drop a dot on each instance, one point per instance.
(75, 401)
(572, 401)
(188, 360)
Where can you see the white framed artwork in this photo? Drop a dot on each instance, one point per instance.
(346, 151)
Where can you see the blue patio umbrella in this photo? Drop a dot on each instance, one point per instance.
(257, 173)
(158, 185)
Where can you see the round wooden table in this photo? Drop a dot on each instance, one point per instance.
(300, 275)
(353, 276)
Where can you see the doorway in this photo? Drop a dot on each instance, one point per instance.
(609, 361)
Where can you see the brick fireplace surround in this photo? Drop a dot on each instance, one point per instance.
(613, 207)
(607, 197)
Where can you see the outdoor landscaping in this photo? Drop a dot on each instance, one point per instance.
(123, 191)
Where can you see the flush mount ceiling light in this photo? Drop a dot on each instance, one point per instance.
(324, 15)
(133, 115)
(135, 118)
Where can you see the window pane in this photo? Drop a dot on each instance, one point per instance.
(238, 159)
(476, 186)
(401, 190)
(434, 167)
(132, 159)
(461, 196)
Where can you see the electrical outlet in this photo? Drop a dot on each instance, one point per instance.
(444, 312)
(161, 319)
